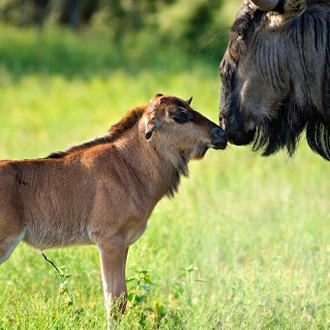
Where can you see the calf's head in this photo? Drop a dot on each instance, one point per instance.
(171, 121)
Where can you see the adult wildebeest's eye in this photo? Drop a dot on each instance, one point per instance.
(181, 115)
(240, 35)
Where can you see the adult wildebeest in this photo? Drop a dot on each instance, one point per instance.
(103, 191)
(276, 76)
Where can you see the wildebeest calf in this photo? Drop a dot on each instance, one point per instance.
(103, 191)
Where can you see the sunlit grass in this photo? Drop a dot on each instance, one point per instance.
(244, 245)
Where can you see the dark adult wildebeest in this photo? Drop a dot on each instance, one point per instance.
(276, 76)
(102, 192)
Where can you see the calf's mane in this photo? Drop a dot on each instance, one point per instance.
(115, 132)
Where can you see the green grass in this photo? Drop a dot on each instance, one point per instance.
(244, 245)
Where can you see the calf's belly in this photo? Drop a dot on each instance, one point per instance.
(55, 235)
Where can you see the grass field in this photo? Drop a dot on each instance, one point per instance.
(244, 245)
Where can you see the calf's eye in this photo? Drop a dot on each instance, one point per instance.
(181, 116)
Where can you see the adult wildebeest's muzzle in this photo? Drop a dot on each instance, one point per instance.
(218, 138)
(239, 137)
(239, 133)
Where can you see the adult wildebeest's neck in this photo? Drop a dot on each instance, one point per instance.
(156, 165)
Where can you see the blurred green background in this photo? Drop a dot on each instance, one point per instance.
(245, 242)
(198, 26)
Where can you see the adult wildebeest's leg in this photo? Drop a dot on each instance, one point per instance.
(113, 263)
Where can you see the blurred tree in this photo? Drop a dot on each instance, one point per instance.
(24, 12)
(125, 16)
(35, 12)
(77, 13)
(39, 11)
(186, 22)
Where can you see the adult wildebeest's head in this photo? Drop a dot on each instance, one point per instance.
(275, 76)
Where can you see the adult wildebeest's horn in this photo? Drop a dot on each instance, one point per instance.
(268, 5)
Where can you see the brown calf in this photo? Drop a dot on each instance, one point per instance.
(103, 191)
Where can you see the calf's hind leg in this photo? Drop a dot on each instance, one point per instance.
(10, 235)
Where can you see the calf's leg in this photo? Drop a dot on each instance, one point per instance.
(113, 264)
(10, 235)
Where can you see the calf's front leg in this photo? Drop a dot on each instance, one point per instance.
(113, 264)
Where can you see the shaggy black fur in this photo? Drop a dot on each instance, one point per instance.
(306, 106)
(283, 131)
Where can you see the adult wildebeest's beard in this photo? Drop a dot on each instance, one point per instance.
(275, 134)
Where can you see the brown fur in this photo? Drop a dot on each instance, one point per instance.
(103, 191)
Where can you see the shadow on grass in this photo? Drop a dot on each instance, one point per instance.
(72, 55)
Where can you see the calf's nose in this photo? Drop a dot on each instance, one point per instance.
(219, 138)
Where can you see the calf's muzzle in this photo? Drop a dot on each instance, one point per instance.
(219, 138)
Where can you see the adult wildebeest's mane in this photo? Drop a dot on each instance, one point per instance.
(115, 132)
(310, 110)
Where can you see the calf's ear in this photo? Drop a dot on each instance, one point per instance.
(151, 126)
(189, 101)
